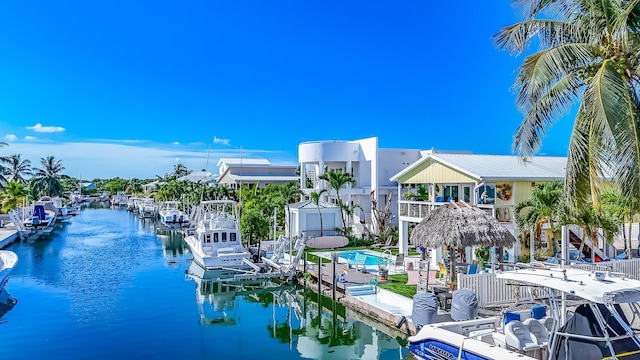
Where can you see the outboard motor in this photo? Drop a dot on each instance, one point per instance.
(464, 305)
(425, 309)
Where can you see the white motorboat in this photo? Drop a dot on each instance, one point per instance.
(171, 215)
(42, 218)
(119, 199)
(216, 243)
(596, 327)
(147, 208)
(8, 260)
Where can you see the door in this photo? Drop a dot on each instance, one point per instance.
(467, 191)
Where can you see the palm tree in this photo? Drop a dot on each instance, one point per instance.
(17, 169)
(544, 206)
(13, 195)
(47, 178)
(614, 204)
(3, 179)
(315, 197)
(589, 61)
(336, 180)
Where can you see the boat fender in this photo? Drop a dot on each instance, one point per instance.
(401, 320)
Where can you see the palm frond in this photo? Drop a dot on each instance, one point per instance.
(516, 38)
(554, 104)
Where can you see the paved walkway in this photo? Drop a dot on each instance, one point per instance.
(7, 236)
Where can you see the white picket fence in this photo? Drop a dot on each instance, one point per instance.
(493, 291)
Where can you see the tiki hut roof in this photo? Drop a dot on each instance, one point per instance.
(460, 226)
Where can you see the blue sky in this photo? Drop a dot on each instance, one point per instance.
(130, 88)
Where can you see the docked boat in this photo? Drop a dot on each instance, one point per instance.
(119, 199)
(171, 215)
(215, 243)
(8, 260)
(42, 219)
(147, 208)
(596, 327)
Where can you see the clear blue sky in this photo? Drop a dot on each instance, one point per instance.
(130, 88)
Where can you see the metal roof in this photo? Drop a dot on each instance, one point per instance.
(265, 177)
(244, 161)
(498, 167)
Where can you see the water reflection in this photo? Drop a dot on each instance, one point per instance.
(313, 326)
(173, 247)
(6, 303)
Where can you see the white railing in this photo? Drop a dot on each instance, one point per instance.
(493, 291)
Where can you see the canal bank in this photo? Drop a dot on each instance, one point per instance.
(7, 236)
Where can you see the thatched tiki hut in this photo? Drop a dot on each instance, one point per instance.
(459, 226)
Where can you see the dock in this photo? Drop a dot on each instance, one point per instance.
(7, 236)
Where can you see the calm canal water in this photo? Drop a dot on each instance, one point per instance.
(106, 286)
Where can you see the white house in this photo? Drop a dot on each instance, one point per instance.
(237, 171)
(371, 166)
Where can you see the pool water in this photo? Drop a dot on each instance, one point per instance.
(371, 259)
(107, 286)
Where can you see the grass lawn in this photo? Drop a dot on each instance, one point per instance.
(397, 284)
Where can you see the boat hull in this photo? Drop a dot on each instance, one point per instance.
(221, 261)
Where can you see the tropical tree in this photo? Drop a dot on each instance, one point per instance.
(618, 207)
(12, 195)
(180, 170)
(3, 179)
(47, 178)
(315, 197)
(588, 62)
(16, 168)
(544, 206)
(336, 180)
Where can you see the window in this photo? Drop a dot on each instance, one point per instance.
(207, 238)
(232, 236)
(215, 237)
(224, 237)
(487, 194)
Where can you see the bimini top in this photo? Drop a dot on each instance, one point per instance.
(596, 286)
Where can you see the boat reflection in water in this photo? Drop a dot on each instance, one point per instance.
(6, 303)
(313, 326)
(173, 247)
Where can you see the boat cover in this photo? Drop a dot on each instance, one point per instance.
(583, 322)
(38, 211)
(425, 309)
(464, 305)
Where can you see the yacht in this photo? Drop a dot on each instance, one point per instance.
(216, 243)
(8, 260)
(171, 215)
(580, 312)
(147, 208)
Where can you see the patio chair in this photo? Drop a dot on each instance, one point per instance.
(473, 269)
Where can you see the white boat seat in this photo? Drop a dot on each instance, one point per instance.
(538, 331)
(548, 323)
(518, 336)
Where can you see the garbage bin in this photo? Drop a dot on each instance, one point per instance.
(444, 300)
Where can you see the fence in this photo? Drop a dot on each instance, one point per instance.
(493, 291)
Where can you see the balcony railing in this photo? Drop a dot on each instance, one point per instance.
(420, 209)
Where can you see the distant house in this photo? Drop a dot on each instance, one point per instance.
(88, 185)
(235, 172)
(196, 176)
(494, 183)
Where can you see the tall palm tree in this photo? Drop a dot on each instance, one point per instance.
(315, 197)
(47, 178)
(614, 204)
(17, 168)
(544, 206)
(336, 180)
(589, 61)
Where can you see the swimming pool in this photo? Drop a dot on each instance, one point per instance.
(370, 258)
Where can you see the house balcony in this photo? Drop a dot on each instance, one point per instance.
(416, 211)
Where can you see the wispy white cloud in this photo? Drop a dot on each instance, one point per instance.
(10, 137)
(217, 140)
(28, 138)
(45, 129)
(175, 143)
